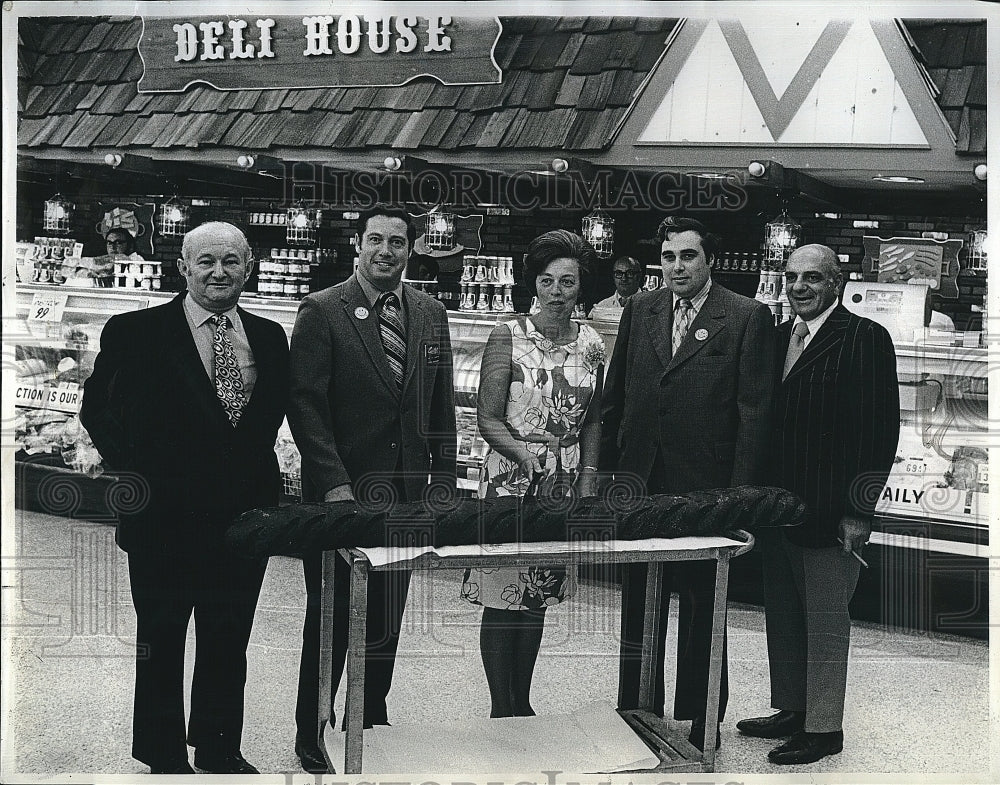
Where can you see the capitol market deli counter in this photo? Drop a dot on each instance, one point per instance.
(928, 554)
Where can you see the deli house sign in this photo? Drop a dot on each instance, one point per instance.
(239, 53)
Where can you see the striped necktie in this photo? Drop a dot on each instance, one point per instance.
(682, 320)
(795, 346)
(228, 379)
(393, 334)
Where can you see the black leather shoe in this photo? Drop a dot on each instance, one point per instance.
(697, 735)
(311, 758)
(777, 726)
(807, 747)
(172, 767)
(222, 763)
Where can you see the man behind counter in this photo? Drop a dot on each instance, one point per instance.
(628, 279)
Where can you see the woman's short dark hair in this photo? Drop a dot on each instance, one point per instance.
(557, 244)
(391, 212)
(673, 224)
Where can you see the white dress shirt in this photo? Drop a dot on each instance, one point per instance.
(204, 337)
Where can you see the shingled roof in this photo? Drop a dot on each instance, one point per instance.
(954, 54)
(567, 82)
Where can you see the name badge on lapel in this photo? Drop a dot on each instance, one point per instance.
(432, 353)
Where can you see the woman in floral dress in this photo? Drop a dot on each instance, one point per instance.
(539, 411)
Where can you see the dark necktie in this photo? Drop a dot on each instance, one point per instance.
(390, 327)
(682, 320)
(795, 346)
(228, 379)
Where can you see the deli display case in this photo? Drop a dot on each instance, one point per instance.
(930, 544)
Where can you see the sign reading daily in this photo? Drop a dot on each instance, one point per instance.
(254, 53)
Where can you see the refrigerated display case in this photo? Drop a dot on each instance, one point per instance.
(933, 522)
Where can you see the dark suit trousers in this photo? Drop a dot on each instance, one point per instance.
(806, 593)
(386, 602)
(221, 590)
(694, 582)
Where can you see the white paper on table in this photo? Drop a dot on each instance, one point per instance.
(381, 556)
(592, 739)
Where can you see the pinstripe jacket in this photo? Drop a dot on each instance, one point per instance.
(836, 423)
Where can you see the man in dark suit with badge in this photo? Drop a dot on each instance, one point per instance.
(373, 414)
(687, 402)
(186, 400)
(834, 440)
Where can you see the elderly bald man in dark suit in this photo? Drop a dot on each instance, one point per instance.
(834, 439)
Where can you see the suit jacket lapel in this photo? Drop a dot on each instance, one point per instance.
(660, 326)
(711, 318)
(264, 366)
(353, 298)
(417, 320)
(182, 352)
(828, 338)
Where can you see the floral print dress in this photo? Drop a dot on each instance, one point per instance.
(550, 389)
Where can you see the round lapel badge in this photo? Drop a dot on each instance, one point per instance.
(701, 334)
(361, 312)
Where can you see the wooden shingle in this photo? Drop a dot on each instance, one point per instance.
(72, 36)
(570, 50)
(236, 134)
(95, 38)
(592, 55)
(437, 130)
(596, 91)
(116, 97)
(213, 131)
(496, 127)
(411, 135)
(621, 89)
(506, 49)
(571, 24)
(524, 57)
(515, 128)
(952, 54)
(597, 24)
(977, 137)
(475, 130)
(956, 88)
(543, 89)
(569, 93)
(85, 131)
(118, 126)
(975, 46)
(977, 88)
(556, 128)
(62, 129)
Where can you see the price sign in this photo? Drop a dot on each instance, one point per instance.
(46, 307)
(915, 466)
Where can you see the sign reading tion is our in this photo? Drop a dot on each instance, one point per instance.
(278, 52)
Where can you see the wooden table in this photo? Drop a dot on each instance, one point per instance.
(675, 754)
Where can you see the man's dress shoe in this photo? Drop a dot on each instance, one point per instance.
(222, 762)
(807, 747)
(180, 766)
(311, 757)
(697, 735)
(784, 723)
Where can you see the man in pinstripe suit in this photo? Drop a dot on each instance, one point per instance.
(836, 425)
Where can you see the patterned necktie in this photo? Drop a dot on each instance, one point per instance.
(795, 346)
(390, 327)
(682, 320)
(228, 379)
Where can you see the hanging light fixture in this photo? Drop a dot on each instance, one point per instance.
(439, 233)
(58, 215)
(301, 223)
(599, 231)
(174, 217)
(781, 237)
(977, 252)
